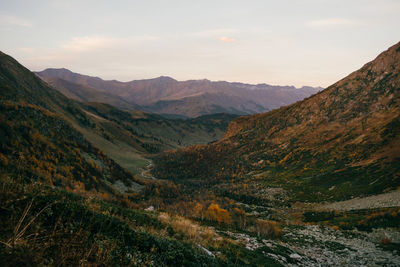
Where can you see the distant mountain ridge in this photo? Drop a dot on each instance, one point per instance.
(165, 95)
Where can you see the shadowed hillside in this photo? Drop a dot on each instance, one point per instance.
(38, 142)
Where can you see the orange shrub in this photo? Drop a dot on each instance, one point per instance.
(3, 160)
(216, 213)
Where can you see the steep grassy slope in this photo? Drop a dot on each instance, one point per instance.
(191, 98)
(339, 143)
(38, 143)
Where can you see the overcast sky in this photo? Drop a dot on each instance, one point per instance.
(285, 42)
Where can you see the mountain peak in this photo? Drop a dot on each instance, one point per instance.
(57, 71)
(386, 61)
(162, 77)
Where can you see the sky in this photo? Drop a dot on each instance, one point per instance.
(286, 42)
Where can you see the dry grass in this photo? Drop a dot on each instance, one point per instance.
(192, 231)
(22, 226)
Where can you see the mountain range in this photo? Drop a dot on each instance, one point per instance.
(164, 95)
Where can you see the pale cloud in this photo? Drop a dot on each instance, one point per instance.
(226, 39)
(14, 21)
(89, 43)
(332, 23)
(95, 43)
(91, 52)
